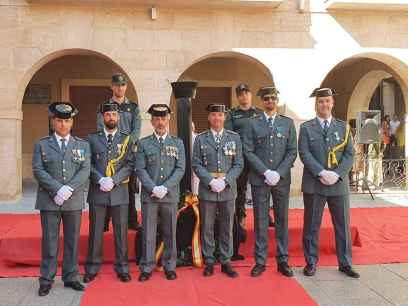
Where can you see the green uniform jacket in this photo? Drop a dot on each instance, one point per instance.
(101, 154)
(313, 151)
(227, 159)
(53, 169)
(237, 119)
(273, 149)
(157, 166)
(129, 120)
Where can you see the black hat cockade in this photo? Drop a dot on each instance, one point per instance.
(110, 107)
(241, 87)
(323, 92)
(62, 110)
(217, 108)
(119, 79)
(267, 91)
(159, 110)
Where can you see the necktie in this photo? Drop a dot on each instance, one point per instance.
(110, 139)
(63, 146)
(270, 122)
(325, 126)
(161, 141)
(217, 140)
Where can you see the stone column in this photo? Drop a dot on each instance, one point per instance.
(10, 155)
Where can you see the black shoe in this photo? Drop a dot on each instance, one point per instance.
(88, 277)
(124, 277)
(309, 270)
(284, 269)
(208, 270)
(227, 269)
(134, 226)
(257, 270)
(170, 275)
(237, 257)
(349, 271)
(44, 290)
(271, 222)
(77, 286)
(144, 276)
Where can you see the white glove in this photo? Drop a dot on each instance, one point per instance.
(328, 177)
(106, 184)
(271, 177)
(217, 185)
(159, 191)
(65, 192)
(58, 200)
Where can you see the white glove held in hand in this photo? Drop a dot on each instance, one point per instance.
(217, 185)
(106, 184)
(159, 191)
(65, 192)
(58, 200)
(328, 177)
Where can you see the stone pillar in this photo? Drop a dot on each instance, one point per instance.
(10, 156)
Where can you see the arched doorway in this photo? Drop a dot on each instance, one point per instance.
(218, 74)
(79, 76)
(374, 81)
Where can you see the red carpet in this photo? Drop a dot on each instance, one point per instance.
(380, 235)
(192, 289)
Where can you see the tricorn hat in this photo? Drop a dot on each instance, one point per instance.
(62, 110)
(267, 91)
(217, 108)
(323, 92)
(159, 110)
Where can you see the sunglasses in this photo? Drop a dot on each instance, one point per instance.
(269, 98)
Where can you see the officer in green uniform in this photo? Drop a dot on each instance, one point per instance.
(111, 165)
(237, 120)
(326, 150)
(160, 166)
(217, 161)
(270, 148)
(61, 165)
(129, 123)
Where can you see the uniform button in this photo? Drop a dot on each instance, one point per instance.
(64, 178)
(161, 176)
(271, 136)
(270, 160)
(63, 161)
(63, 170)
(219, 162)
(161, 169)
(109, 152)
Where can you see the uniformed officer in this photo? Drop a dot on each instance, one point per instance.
(61, 165)
(270, 147)
(217, 161)
(129, 123)
(326, 150)
(237, 120)
(160, 166)
(111, 165)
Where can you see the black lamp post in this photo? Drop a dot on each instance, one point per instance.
(184, 92)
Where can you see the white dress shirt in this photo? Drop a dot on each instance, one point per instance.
(59, 139)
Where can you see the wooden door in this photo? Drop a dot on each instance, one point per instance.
(87, 99)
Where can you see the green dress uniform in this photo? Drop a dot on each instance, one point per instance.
(270, 145)
(104, 149)
(215, 160)
(130, 123)
(314, 146)
(238, 120)
(55, 166)
(159, 162)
